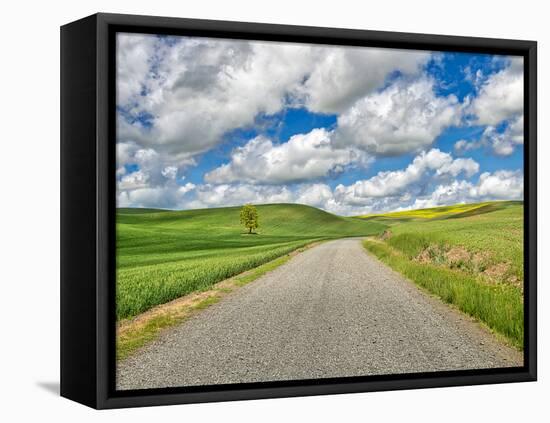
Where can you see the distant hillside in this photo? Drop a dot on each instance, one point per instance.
(162, 255)
(275, 219)
(444, 212)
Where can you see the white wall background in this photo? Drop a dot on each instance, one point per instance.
(29, 225)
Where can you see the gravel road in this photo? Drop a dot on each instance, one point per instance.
(331, 311)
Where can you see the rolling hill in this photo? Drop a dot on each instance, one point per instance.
(492, 229)
(163, 255)
(443, 212)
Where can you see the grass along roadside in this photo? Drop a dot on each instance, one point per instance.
(138, 331)
(499, 306)
(488, 243)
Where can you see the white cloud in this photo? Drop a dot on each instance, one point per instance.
(152, 168)
(406, 116)
(164, 197)
(500, 185)
(303, 157)
(125, 152)
(133, 65)
(475, 78)
(134, 180)
(340, 76)
(153, 183)
(503, 184)
(223, 195)
(316, 195)
(384, 191)
(505, 143)
(455, 192)
(424, 167)
(170, 172)
(180, 95)
(196, 89)
(502, 143)
(462, 146)
(343, 200)
(501, 96)
(184, 189)
(515, 129)
(455, 167)
(209, 195)
(500, 99)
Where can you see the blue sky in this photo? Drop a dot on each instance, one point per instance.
(211, 123)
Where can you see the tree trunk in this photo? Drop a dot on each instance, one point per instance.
(250, 230)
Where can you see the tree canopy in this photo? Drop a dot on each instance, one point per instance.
(249, 217)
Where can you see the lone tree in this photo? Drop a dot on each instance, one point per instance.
(249, 217)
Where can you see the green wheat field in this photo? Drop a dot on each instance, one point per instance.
(470, 256)
(162, 255)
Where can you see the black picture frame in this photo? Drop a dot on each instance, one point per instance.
(88, 209)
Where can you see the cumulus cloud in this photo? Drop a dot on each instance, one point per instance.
(346, 200)
(343, 200)
(190, 91)
(134, 52)
(303, 157)
(501, 96)
(504, 143)
(499, 101)
(462, 146)
(164, 197)
(503, 184)
(500, 185)
(145, 180)
(134, 180)
(433, 163)
(453, 193)
(316, 195)
(455, 167)
(476, 78)
(406, 116)
(340, 76)
(169, 172)
(180, 95)
(151, 169)
(222, 195)
(500, 142)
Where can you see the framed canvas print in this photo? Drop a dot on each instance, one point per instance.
(254, 211)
